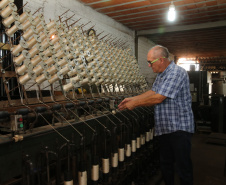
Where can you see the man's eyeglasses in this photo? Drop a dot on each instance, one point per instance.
(151, 62)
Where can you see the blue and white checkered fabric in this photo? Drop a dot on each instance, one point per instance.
(175, 112)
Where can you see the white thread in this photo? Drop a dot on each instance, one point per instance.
(95, 172)
(105, 165)
(114, 160)
(82, 178)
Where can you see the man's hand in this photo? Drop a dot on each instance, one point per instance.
(127, 103)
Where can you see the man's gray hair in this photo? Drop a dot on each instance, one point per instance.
(160, 51)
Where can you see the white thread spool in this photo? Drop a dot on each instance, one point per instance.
(82, 178)
(142, 139)
(50, 25)
(45, 76)
(95, 172)
(26, 66)
(24, 16)
(54, 40)
(4, 3)
(9, 20)
(128, 150)
(25, 78)
(68, 182)
(49, 52)
(35, 50)
(21, 46)
(38, 19)
(36, 60)
(24, 55)
(33, 41)
(51, 60)
(66, 69)
(53, 31)
(41, 27)
(26, 24)
(53, 69)
(14, 28)
(85, 81)
(57, 47)
(8, 10)
(114, 160)
(59, 54)
(63, 61)
(105, 165)
(40, 68)
(55, 77)
(134, 146)
(27, 34)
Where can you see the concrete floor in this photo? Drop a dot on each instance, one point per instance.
(208, 163)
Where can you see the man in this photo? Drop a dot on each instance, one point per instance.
(174, 122)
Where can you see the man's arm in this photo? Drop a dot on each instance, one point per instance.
(148, 98)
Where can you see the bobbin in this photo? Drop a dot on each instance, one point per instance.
(17, 26)
(57, 76)
(18, 48)
(41, 26)
(11, 7)
(4, 3)
(43, 77)
(54, 68)
(38, 19)
(50, 25)
(27, 34)
(28, 76)
(51, 60)
(9, 20)
(63, 61)
(27, 23)
(43, 35)
(37, 59)
(40, 68)
(66, 69)
(49, 52)
(54, 40)
(35, 39)
(35, 50)
(27, 66)
(24, 55)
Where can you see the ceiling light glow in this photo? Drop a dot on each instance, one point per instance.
(171, 12)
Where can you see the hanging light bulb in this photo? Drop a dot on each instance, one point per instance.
(171, 12)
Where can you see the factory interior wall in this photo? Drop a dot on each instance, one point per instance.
(144, 45)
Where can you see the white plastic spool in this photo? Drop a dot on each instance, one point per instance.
(8, 10)
(24, 55)
(35, 50)
(38, 19)
(114, 160)
(82, 178)
(24, 16)
(27, 34)
(14, 28)
(54, 78)
(20, 47)
(50, 25)
(54, 40)
(49, 52)
(9, 20)
(45, 76)
(40, 68)
(68, 87)
(25, 78)
(37, 59)
(41, 27)
(53, 69)
(95, 173)
(66, 69)
(63, 61)
(4, 3)
(134, 146)
(51, 60)
(26, 24)
(60, 54)
(27, 66)
(35, 39)
(105, 166)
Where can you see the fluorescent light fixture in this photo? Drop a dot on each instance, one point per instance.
(171, 12)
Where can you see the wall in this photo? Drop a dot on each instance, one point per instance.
(144, 45)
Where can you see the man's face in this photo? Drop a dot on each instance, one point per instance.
(154, 63)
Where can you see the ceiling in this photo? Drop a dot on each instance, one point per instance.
(198, 32)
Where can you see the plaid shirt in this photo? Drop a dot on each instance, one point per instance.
(175, 112)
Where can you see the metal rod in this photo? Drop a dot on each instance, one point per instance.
(22, 7)
(64, 13)
(5, 55)
(31, 86)
(100, 33)
(86, 24)
(36, 11)
(75, 22)
(69, 18)
(104, 36)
